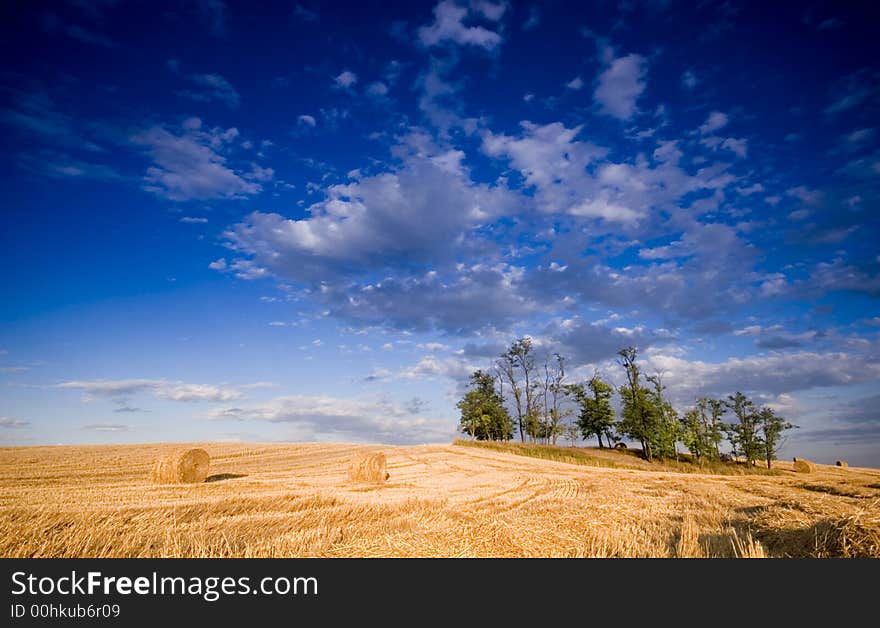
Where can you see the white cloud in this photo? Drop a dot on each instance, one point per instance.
(534, 18)
(419, 212)
(739, 146)
(570, 177)
(377, 89)
(306, 120)
(689, 80)
(345, 79)
(330, 418)
(620, 85)
(603, 208)
(52, 23)
(716, 120)
(213, 15)
(772, 374)
(191, 220)
(853, 90)
(430, 367)
(219, 264)
(214, 87)
(106, 427)
(12, 424)
(189, 164)
(575, 84)
(544, 153)
(448, 25)
(160, 388)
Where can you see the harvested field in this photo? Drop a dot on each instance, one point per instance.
(440, 500)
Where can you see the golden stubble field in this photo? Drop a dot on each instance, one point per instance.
(285, 500)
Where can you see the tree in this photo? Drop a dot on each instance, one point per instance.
(693, 435)
(572, 433)
(596, 416)
(701, 429)
(553, 390)
(772, 426)
(483, 415)
(712, 410)
(743, 434)
(637, 418)
(517, 366)
(666, 427)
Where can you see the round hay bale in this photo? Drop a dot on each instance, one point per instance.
(842, 463)
(370, 468)
(620, 445)
(184, 467)
(803, 466)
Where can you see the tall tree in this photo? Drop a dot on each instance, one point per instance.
(743, 434)
(483, 415)
(517, 366)
(666, 427)
(552, 393)
(713, 410)
(637, 419)
(772, 427)
(596, 417)
(701, 429)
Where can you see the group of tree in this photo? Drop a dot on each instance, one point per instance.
(520, 397)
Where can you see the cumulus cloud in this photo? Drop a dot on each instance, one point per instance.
(189, 163)
(377, 89)
(575, 84)
(213, 15)
(852, 91)
(534, 18)
(106, 427)
(160, 388)
(345, 79)
(449, 27)
(773, 374)
(468, 299)
(12, 424)
(585, 342)
(421, 212)
(53, 24)
(776, 337)
(716, 120)
(212, 87)
(620, 85)
(331, 418)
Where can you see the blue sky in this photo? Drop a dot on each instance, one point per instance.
(314, 221)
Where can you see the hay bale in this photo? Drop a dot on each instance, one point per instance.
(184, 467)
(803, 466)
(369, 468)
(620, 445)
(842, 463)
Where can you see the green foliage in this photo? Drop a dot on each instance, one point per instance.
(743, 434)
(666, 427)
(517, 367)
(596, 417)
(483, 415)
(701, 429)
(541, 401)
(638, 417)
(772, 427)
